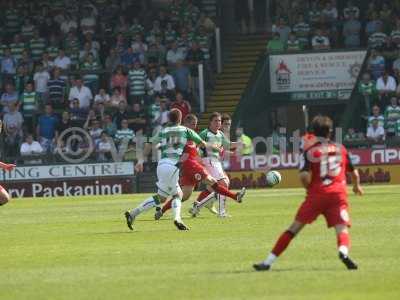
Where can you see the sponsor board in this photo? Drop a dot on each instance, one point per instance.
(96, 170)
(379, 174)
(359, 157)
(334, 72)
(69, 188)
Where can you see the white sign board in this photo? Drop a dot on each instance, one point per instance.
(69, 171)
(326, 71)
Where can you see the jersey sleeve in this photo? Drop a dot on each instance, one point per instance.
(304, 163)
(203, 135)
(193, 136)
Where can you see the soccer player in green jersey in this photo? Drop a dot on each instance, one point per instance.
(172, 141)
(212, 160)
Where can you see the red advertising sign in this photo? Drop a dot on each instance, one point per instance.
(361, 157)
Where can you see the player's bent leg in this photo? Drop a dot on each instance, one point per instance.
(343, 243)
(187, 192)
(205, 199)
(176, 209)
(280, 246)
(149, 203)
(221, 199)
(4, 196)
(223, 189)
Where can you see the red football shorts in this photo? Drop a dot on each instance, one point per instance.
(333, 207)
(193, 172)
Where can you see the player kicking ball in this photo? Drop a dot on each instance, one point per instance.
(212, 160)
(171, 140)
(4, 195)
(194, 172)
(323, 168)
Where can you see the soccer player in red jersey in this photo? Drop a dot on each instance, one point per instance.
(323, 168)
(4, 195)
(193, 173)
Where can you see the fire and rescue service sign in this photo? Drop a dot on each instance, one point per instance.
(303, 74)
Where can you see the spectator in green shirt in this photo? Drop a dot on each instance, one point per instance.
(367, 88)
(292, 44)
(275, 45)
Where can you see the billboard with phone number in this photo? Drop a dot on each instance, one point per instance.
(323, 75)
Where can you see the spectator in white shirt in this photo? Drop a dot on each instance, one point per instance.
(283, 29)
(375, 132)
(101, 97)
(63, 62)
(82, 93)
(386, 86)
(87, 49)
(31, 148)
(88, 22)
(41, 78)
(330, 12)
(164, 77)
(138, 46)
(164, 113)
(350, 9)
(320, 41)
(104, 147)
(174, 55)
(68, 24)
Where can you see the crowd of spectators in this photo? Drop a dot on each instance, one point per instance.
(111, 67)
(317, 25)
(326, 24)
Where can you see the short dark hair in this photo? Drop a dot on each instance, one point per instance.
(190, 118)
(322, 126)
(175, 116)
(214, 115)
(225, 117)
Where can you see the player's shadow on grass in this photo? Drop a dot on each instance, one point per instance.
(277, 270)
(113, 232)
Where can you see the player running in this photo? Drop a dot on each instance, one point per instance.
(172, 140)
(4, 195)
(212, 162)
(323, 168)
(194, 172)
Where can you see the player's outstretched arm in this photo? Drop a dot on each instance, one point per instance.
(141, 155)
(7, 167)
(305, 178)
(355, 177)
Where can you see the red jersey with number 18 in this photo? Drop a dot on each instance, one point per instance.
(328, 164)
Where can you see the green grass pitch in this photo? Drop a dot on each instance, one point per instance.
(80, 248)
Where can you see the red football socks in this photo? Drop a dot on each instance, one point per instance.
(167, 206)
(282, 243)
(222, 190)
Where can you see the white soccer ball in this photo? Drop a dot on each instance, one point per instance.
(273, 178)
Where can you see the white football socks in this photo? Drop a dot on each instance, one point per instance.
(344, 250)
(176, 209)
(221, 205)
(144, 206)
(207, 200)
(270, 259)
